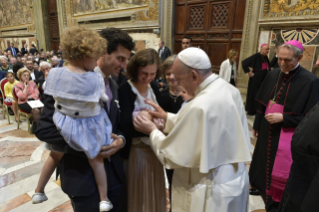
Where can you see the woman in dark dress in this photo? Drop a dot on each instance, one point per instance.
(172, 101)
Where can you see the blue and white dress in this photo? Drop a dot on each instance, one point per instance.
(79, 115)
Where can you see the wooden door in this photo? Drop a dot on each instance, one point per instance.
(216, 26)
(54, 25)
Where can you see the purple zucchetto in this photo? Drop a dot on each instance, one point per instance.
(295, 43)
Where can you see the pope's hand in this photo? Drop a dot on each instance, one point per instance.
(144, 125)
(159, 112)
(116, 145)
(274, 118)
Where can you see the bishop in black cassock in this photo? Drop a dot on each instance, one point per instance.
(302, 188)
(259, 63)
(294, 89)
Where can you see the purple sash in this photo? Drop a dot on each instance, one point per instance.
(283, 160)
(264, 66)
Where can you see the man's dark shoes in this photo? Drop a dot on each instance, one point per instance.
(254, 192)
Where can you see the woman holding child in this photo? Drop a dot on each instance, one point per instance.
(145, 175)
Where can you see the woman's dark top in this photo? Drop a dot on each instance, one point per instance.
(171, 103)
(127, 99)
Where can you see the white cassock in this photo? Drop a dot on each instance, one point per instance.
(207, 146)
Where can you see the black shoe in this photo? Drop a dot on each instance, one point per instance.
(254, 192)
(10, 112)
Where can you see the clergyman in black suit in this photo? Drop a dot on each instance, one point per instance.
(163, 51)
(77, 178)
(14, 50)
(24, 49)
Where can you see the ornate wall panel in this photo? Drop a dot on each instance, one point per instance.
(196, 15)
(283, 9)
(215, 26)
(220, 15)
(123, 14)
(8, 13)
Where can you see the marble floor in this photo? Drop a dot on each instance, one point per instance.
(22, 157)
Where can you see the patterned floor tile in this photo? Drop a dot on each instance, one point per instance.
(65, 207)
(14, 203)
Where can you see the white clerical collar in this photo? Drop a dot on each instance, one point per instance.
(292, 69)
(97, 69)
(205, 83)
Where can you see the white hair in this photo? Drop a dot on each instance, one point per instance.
(296, 50)
(56, 58)
(45, 64)
(3, 57)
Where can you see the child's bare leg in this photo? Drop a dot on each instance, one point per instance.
(48, 170)
(97, 165)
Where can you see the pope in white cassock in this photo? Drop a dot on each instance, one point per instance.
(208, 140)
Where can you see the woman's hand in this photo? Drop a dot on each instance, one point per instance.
(26, 85)
(159, 112)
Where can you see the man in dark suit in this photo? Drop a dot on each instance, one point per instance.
(163, 51)
(35, 75)
(13, 49)
(24, 49)
(77, 177)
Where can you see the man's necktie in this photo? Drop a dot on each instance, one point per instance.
(108, 92)
(13, 52)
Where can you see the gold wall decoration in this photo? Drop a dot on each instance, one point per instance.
(289, 8)
(113, 13)
(152, 13)
(15, 12)
(83, 7)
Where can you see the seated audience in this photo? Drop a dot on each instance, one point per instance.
(55, 62)
(24, 59)
(8, 92)
(13, 60)
(16, 67)
(36, 66)
(27, 90)
(34, 74)
(5, 67)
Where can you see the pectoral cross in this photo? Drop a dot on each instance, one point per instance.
(272, 102)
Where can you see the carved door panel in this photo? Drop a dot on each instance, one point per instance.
(216, 26)
(54, 25)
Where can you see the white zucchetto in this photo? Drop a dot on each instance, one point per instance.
(195, 58)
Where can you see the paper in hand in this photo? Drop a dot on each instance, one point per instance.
(35, 104)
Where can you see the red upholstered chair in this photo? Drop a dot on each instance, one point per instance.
(21, 112)
(5, 105)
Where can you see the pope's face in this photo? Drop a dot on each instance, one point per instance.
(183, 78)
(287, 59)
